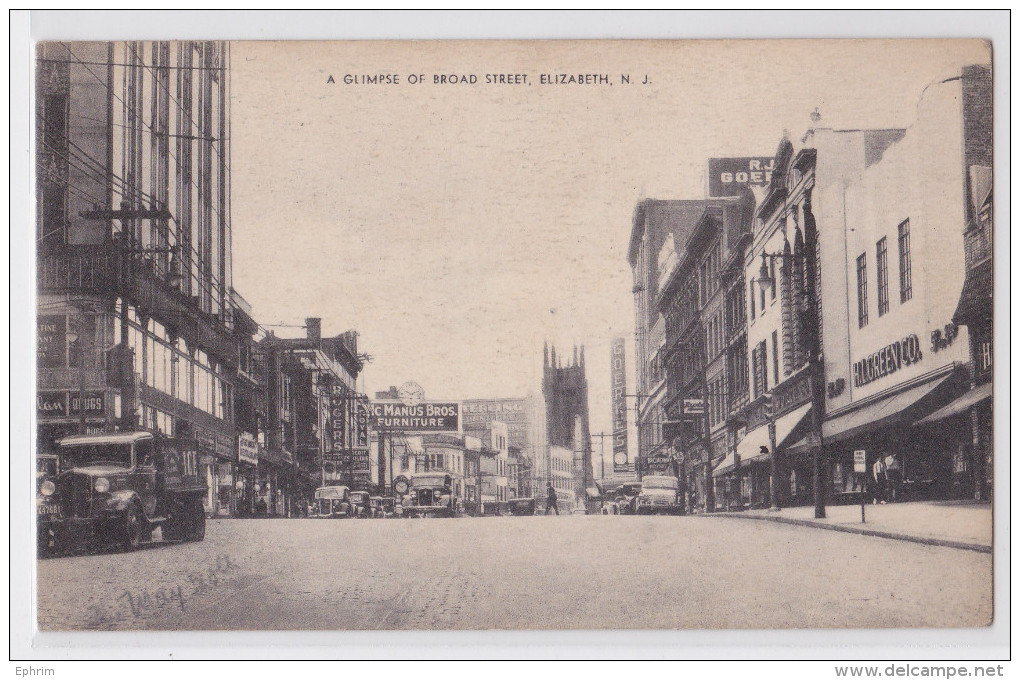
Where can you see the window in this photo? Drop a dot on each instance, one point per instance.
(882, 265)
(751, 291)
(906, 290)
(862, 290)
(985, 362)
(775, 357)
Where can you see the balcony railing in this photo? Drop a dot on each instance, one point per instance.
(77, 269)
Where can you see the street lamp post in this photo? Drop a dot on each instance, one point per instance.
(807, 309)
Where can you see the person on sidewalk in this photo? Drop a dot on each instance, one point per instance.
(550, 499)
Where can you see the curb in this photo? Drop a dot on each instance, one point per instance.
(941, 542)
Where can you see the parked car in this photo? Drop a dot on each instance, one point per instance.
(331, 502)
(117, 488)
(361, 504)
(383, 506)
(430, 494)
(518, 507)
(660, 494)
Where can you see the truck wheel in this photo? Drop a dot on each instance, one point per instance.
(132, 528)
(47, 542)
(194, 526)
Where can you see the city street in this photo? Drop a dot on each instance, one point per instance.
(526, 572)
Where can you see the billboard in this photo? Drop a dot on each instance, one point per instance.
(729, 176)
(429, 416)
(618, 383)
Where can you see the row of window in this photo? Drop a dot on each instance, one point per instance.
(169, 366)
(882, 278)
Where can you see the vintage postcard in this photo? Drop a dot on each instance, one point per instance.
(513, 335)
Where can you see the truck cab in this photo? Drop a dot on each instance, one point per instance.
(118, 488)
(429, 494)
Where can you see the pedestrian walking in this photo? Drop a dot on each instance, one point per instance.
(550, 500)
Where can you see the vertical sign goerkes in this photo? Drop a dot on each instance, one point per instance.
(619, 402)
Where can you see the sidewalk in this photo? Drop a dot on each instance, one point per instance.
(958, 524)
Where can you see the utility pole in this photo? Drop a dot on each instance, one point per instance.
(602, 449)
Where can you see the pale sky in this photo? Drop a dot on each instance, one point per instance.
(456, 227)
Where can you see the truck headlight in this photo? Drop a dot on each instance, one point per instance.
(47, 488)
(102, 485)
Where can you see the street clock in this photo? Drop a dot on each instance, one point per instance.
(411, 394)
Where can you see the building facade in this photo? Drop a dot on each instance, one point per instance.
(658, 226)
(692, 298)
(133, 232)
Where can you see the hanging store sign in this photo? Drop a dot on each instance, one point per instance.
(394, 416)
(694, 407)
(247, 449)
(860, 461)
(887, 360)
(619, 400)
(729, 176)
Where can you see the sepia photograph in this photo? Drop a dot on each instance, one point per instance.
(513, 335)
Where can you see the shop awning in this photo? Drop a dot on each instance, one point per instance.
(749, 448)
(883, 412)
(726, 465)
(976, 296)
(975, 396)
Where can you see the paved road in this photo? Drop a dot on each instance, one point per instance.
(530, 572)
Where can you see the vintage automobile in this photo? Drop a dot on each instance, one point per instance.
(383, 506)
(361, 504)
(659, 494)
(331, 502)
(519, 507)
(117, 488)
(626, 497)
(429, 494)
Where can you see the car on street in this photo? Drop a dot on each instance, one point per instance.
(383, 506)
(660, 494)
(625, 496)
(116, 489)
(361, 504)
(331, 502)
(429, 494)
(518, 507)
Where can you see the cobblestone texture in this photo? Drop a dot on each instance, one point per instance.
(529, 572)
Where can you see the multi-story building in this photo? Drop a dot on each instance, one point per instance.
(692, 298)
(525, 422)
(658, 226)
(973, 410)
(133, 234)
(894, 265)
(317, 425)
(562, 476)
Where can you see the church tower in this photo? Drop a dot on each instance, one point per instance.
(565, 390)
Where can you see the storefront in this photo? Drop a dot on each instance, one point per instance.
(776, 420)
(904, 462)
(246, 475)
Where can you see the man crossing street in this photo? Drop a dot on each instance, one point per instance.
(550, 500)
